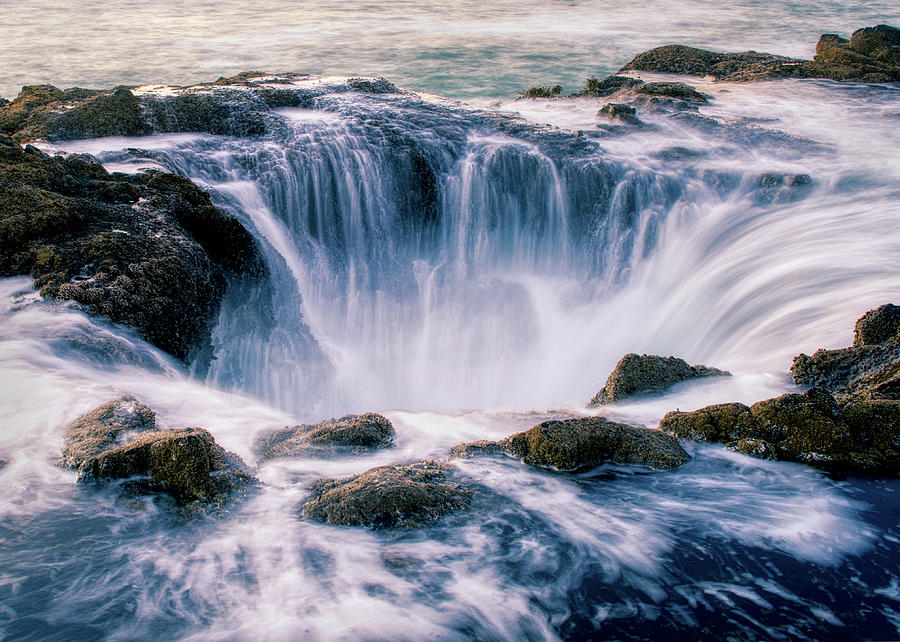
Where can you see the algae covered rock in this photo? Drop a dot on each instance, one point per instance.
(741, 66)
(478, 448)
(620, 112)
(352, 434)
(402, 496)
(719, 423)
(591, 441)
(677, 90)
(186, 463)
(875, 427)
(758, 448)
(131, 248)
(100, 429)
(641, 374)
(805, 427)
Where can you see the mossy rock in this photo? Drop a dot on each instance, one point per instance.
(101, 429)
(403, 497)
(677, 90)
(718, 423)
(757, 448)
(351, 434)
(591, 441)
(644, 374)
(186, 463)
(478, 448)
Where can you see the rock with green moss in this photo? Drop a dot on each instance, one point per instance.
(805, 427)
(349, 435)
(590, 441)
(583, 442)
(103, 428)
(131, 248)
(621, 113)
(644, 374)
(609, 85)
(719, 423)
(676, 90)
(758, 448)
(402, 496)
(185, 463)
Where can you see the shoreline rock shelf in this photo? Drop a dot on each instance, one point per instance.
(848, 422)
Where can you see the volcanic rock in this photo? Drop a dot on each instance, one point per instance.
(149, 251)
(352, 434)
(402, 496)
(641, 374)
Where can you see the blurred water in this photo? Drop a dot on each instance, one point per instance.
(462, 49)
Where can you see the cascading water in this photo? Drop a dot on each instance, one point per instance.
(425, 259)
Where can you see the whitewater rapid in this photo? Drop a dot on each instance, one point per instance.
(469, 275)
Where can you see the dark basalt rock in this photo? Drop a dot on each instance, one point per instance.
(403, 496)
(641, 374)
(863, 436)
(103, 428)
(871, 55)
(352, 434)
(131, 248)
(870, 369)
(609, 85)
(584, 442)
(186, 463)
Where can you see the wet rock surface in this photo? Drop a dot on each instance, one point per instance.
(869, 369)
(349, 435)
(103, 428)
(636, 374)
(584, 442)
(119, 441)
(810, 428)
(871, 55)
(131, 248)
(403, 496)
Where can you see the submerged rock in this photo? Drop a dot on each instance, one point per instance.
(402, 496)
(641, 374)
(131, 248)
(583, 442)
(871, 55)
(352, 434)
(869, 369)
(104, 427)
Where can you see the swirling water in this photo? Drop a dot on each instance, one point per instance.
(464, 273)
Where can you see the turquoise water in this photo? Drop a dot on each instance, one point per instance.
(461, 49)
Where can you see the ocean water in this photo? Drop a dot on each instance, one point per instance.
(462, 49)
(500, 294)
